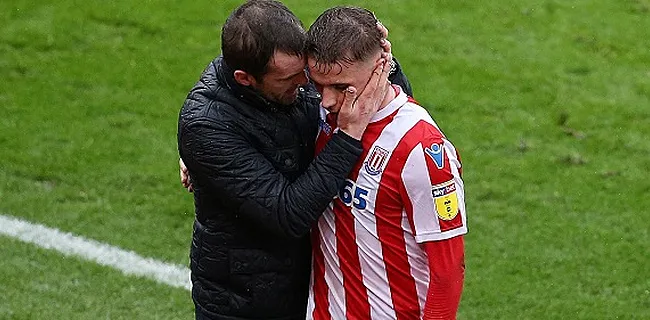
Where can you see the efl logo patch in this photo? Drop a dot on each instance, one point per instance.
(437, 153)
(375, 163)
(445, 200)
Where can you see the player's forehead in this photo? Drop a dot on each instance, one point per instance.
(330, 74)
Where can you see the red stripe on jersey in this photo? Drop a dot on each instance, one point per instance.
(321, 303)
(420, 130)
(388, 212)
(442, 175)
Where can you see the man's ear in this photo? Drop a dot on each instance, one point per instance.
(244, 78)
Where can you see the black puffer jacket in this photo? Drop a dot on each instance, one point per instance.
(257, 193)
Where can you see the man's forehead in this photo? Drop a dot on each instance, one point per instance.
(281, 61)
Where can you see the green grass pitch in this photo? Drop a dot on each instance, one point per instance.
(547, 101)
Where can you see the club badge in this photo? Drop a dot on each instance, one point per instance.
(375, 163)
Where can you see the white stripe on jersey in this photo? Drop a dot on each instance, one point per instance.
(333, 274)
(311, 303)
(418, 263)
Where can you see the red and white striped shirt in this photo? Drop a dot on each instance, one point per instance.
(405, 190)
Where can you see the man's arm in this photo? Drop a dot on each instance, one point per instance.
(221, 159)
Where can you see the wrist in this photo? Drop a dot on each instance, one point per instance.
(353, 132)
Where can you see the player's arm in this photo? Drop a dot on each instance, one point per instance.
(433, 192)
(446, 274)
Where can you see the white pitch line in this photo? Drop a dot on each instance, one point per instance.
(68, 244)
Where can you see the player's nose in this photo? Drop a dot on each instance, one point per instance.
(329, 97)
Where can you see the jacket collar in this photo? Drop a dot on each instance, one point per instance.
(225, 75)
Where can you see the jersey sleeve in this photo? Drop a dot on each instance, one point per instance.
(433, 190)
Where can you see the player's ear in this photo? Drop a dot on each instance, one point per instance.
(244, 78)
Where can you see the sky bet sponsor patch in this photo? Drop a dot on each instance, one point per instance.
(445, 199)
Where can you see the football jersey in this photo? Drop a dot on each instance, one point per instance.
(405, 190)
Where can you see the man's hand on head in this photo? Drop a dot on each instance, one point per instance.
(386, 46)
(384, 43)
(382, 28)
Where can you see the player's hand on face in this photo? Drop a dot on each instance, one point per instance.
(186, 181)
(358, 108)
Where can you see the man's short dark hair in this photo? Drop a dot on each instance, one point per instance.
(343, 35)
(255, 30)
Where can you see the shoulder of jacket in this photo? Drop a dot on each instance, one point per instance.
(200, 107)
(309, 99)
(309, 91)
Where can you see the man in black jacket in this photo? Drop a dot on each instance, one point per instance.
(246, 133)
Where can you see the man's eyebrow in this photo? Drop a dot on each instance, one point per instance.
(292, 75)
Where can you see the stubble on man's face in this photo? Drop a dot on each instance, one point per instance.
(286, 73)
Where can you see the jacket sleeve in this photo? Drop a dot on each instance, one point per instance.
(398, 77)
(221, 158)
